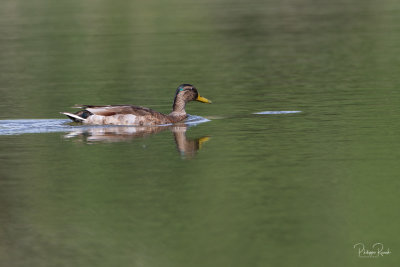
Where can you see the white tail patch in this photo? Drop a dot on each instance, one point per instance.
(73, 116)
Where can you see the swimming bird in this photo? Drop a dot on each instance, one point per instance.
(136, 115)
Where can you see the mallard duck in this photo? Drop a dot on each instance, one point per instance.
(135, 115)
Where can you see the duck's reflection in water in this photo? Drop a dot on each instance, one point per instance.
(187, 147)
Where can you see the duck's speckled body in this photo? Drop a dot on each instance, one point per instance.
(135, 115)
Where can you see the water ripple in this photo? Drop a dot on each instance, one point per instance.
(24, 126)
(277, 112)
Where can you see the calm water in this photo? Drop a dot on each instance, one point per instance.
(242, 189)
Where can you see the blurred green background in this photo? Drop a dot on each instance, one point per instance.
(265, 190)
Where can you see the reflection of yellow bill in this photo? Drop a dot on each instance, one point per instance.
(202, 140)
(203, 99)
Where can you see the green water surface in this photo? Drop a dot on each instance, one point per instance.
(264, 190)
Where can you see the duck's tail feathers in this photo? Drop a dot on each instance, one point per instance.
(74, 117)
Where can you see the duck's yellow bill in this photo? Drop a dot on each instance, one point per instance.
(203, 99)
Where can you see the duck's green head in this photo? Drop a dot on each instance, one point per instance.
(188, 92)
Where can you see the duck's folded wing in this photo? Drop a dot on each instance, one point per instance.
(119, 109)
